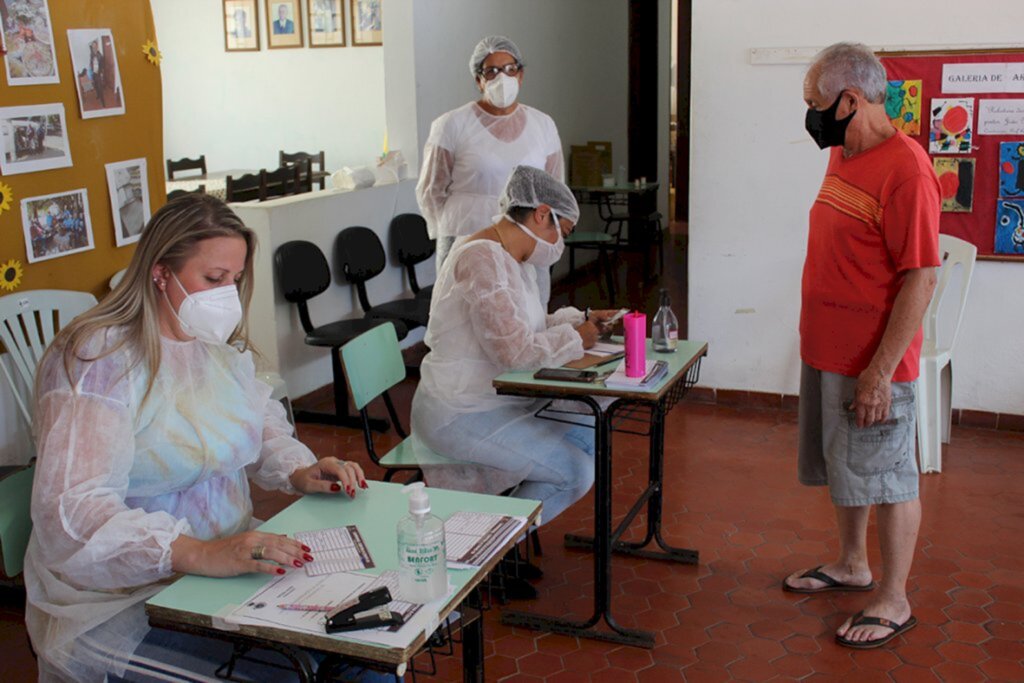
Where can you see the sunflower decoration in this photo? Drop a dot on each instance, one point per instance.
(6, 195)
(10, 275)
(152, 53)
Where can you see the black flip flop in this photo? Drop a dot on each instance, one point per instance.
(860, 620)
(830, 583)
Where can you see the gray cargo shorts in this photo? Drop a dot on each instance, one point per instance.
(868, 466)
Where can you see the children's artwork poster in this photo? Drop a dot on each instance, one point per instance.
(56, 225)
(903, 105)
(1011, 169)
(951, 126)
(28, 42)
(1010, 226)
(956, 182)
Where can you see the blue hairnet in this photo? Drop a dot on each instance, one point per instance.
(489, 46)
(530, 187)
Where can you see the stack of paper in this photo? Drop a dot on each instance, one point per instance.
(656, 371)
(472, 538)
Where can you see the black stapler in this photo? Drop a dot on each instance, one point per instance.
(369, 611)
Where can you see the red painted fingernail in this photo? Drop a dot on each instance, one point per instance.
(297, 563)
(351, 491)
(280, 570)
(335, 486)
(309, 558)
(307, 549)
(364, 485)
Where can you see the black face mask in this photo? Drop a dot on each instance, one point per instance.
(823, 126)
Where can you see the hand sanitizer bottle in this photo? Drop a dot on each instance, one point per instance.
(665, 328)
(422, 568)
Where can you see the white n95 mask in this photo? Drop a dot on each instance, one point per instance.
(210, 315)
(501, 91)
(545, 254)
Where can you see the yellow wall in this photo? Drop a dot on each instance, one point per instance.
(94, 143)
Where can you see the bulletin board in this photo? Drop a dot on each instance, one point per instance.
(93, 143)
(978, 225)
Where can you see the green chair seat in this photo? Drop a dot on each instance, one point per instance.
(15, 521)
(412, 453)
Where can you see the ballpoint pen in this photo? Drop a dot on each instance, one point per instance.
(307, 608)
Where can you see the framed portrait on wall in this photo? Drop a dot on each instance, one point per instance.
(366, 23)
(241, 25)
(284, 23)
(326, 23)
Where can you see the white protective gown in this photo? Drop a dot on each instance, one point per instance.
(467, 160)
(485, 319)
(117, 481)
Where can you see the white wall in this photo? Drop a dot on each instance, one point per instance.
(754, 175)
(240, 108)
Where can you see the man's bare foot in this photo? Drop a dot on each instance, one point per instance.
(845, 576)
(896, 610)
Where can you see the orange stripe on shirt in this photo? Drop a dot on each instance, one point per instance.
(850, 200)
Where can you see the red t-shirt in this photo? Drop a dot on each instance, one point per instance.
(875, 217)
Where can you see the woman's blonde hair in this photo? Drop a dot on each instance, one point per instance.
(170, 238)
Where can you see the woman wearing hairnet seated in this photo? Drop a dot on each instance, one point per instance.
(471, 150)
(149, 423)
(486, 319)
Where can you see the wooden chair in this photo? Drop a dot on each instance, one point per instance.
(186, 165)
(174, 194)
(244, 188)
(316, 164)
(280, 182)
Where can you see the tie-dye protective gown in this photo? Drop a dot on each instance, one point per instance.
(118, 480)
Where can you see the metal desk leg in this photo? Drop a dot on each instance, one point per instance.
(602, 557)
(473, 650)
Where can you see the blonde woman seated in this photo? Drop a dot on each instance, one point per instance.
(486, 318)
(149, 425)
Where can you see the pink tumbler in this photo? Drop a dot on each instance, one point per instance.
(635, 325)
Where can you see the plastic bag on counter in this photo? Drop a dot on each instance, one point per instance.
(353, 178)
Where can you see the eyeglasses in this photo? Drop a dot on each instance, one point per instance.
(491, 72)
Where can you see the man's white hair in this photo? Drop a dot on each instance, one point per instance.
(849, 65)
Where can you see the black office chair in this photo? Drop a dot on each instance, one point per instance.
(303, 273)
(411, 244)
(361, 257)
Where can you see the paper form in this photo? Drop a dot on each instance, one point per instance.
(340, 549)
(472, 538)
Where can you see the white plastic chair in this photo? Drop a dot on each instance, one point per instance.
(28, 323)
(116, 278)
(935, 383)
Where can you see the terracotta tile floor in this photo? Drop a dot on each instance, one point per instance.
(731, 493)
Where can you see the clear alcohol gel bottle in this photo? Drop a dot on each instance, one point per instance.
(665, 328)
(422, 568)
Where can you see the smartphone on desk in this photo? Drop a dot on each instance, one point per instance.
(566, 375)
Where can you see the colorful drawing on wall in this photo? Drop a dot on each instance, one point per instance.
(952, 125)
(1010, 226)
(1011, 169)
(56, 225)
(129, 199)
(33, 138)
(97, 77)
(28, 42)
(10, 275)
(956, 181)
(903, 105)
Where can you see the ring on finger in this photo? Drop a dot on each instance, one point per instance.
(258, 550)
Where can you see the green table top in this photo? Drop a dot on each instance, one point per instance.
(686, 354)
(196, 600)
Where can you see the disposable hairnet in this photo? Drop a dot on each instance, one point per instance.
(488, 46)
(531, 187)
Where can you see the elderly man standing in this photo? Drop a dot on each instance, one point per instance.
(872, 249)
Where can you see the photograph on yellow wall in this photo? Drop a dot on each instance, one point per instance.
(33, 138)
(28, 42)
(129, 199)
(56, 225)
(97, 77)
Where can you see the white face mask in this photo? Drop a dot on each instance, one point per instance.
(210, 315)
(501, 91)
(545, 254)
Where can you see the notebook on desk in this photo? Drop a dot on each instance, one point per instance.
(599, 354)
